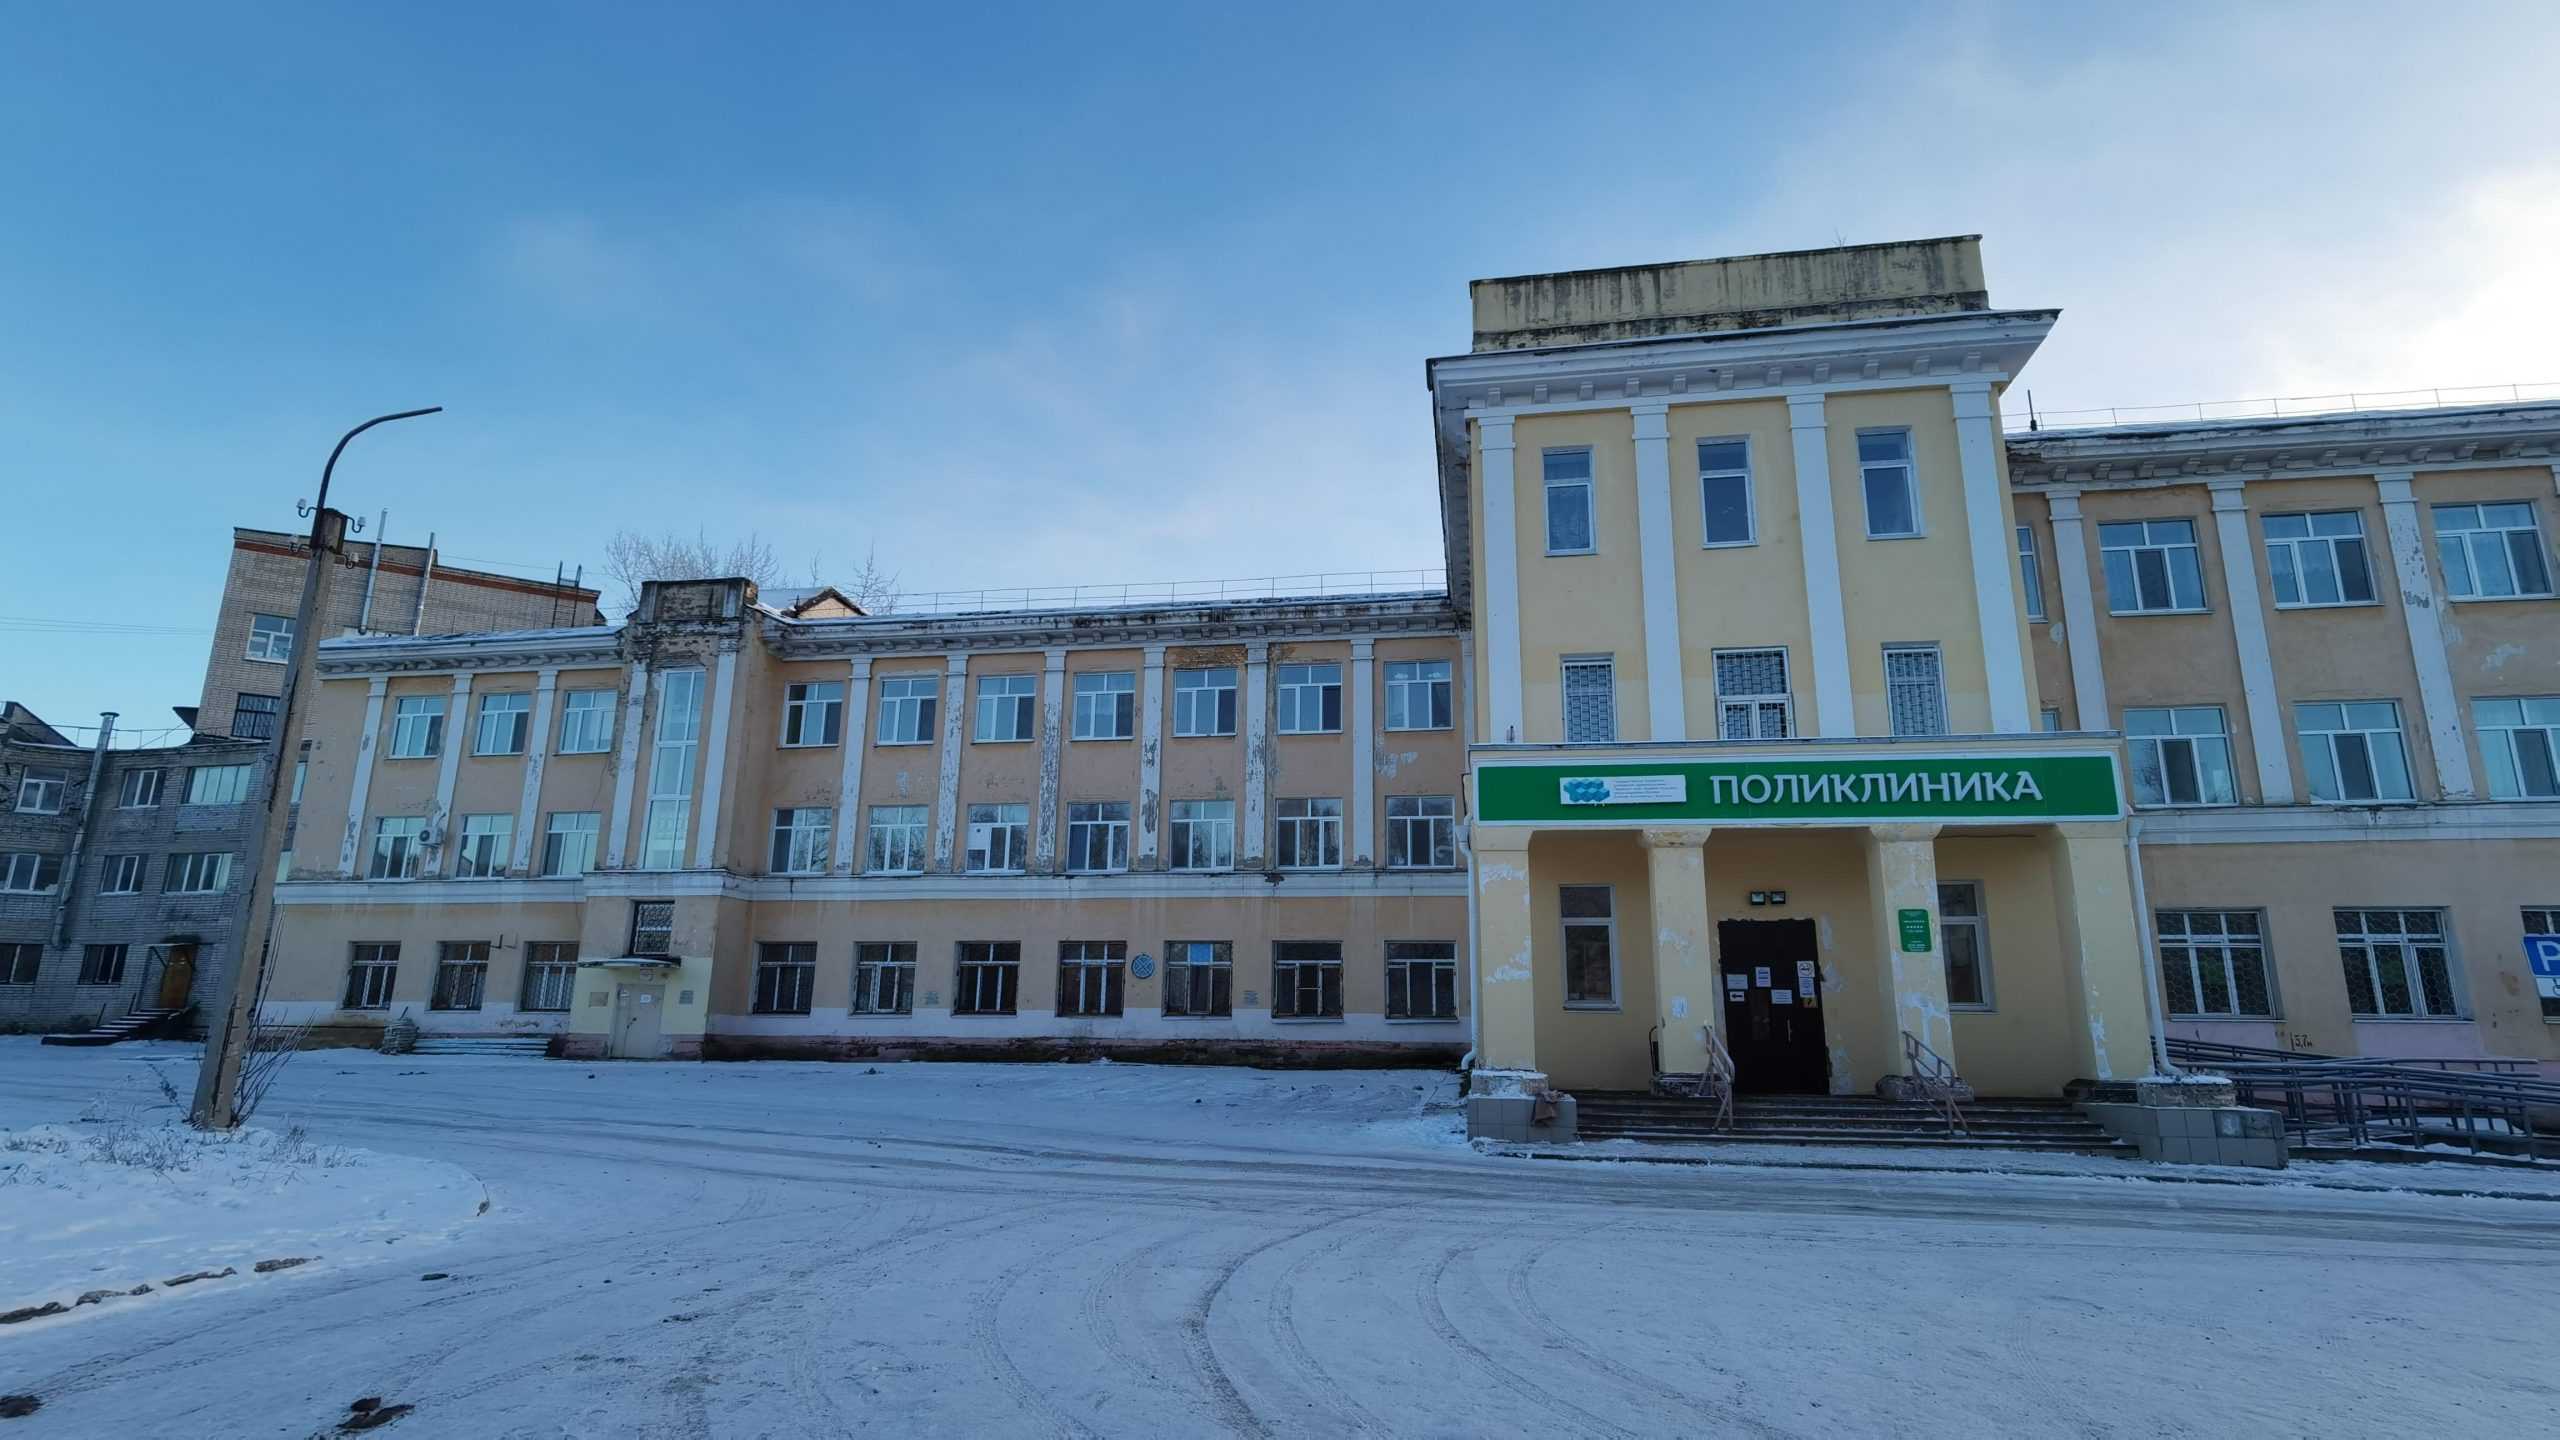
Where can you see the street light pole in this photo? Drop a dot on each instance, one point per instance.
(228, 1038)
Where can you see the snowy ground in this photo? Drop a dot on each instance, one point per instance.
(810, 1250)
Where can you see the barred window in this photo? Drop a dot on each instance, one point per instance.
(1197, 978)
(2396, 963)
(986, 978)
(1098, 837)
(1752, 698)
(1422, 832)
(371, 968)
(653, 927)
(1422, 980)
(1310, 833)
(785, 974)
(1089, 974)
(2214, 962)
(462, 975)
(1306, 980)
(1914, 693)
(253, 717)
(884, 977)
(1590, 700)
(550, 974)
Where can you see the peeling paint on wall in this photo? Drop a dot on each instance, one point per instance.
(2496, 660)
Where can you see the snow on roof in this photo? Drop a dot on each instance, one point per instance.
(570, 632)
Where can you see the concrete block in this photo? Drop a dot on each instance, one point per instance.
(2178, 1149)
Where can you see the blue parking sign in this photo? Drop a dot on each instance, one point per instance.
(2542, 954)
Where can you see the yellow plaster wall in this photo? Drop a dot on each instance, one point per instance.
(1594, 1049)
(2170, 660)
(1580, 604)
(1907, 591)
(1743, 597)
(2023, 1044)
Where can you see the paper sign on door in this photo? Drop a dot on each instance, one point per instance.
(1782, 997)
(1760, 976)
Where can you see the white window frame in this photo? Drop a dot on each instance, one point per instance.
(1201, 835)
(802, 835)
(586, 722)
(1092, 823)
(2183, 947)
(140, 789)
(884, 978)
(2180, 739)
(40, 791)
(1608, 926)
(2370, 941)
(121, 875)
(506, 722)
(1312, 687)
(2324, 747)
(2505, 743)
(893, 833)
(1709, 476)
(812, 714)
(1106, 705)
(2168, 550)
(1211, 688)
(417, 727)
(271, 639)
(399, 847)
(29, 872)
(2462, 577)
(1008, 709)
(1431, 821)
(219, 784)
(907, 706)
(1432, 960)
(1750, 703)
(999, 839)
(1425, 684)
(2293, 549)
(1937, 683)
(2031, 571)
(483, 849)
(1869, 471)
(1303, 826)
(569, 843)
(1979, 923)
(1556, 487)
(1585, 668)
(668, 822)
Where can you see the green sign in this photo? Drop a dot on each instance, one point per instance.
(1915, 931)
(1831, 789)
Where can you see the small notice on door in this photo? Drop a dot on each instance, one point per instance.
(1782, 997)
(1804, 976)
(1760, 976)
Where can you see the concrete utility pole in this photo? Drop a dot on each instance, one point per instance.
(234, 1026)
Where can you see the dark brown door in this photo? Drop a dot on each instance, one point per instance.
(1773, 1007)
(178, 977)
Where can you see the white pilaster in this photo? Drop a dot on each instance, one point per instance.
(1044, 817)
(1150, 755)
(2422, 607)
(457, 733)
(857, 731)
(2079, 611)
(1995, 557)
(2249, 635)
(715, 764)
(1665, 703)
(946, 792)
(546, 686)
(1363, 839)
(1257, 754)
(368, 748)
(1834, 704)
(1500, 514)
(626, 767)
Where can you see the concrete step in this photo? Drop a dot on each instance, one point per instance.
(123, 1027)
(482, 1045)
(2098, 1144)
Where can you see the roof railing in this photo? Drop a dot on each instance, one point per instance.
(1317, 585)
(2353, 402)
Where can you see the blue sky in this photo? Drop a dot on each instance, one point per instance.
(1107, 293)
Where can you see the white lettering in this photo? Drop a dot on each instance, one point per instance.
(1723, 788)
(1760, 796)
(1937, 789)
(2024, 787)
(1968, 788)
(1906, 788)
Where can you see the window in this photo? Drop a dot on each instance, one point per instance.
(670, 813)
(417, 727)
(1422, 980)
(813, 713)
(140, 790)
(2151, 566)
(1098, 837)
(201, 872)
(506, 720)
(22, 873)
(1884, 472)
(487, 845)
(1967, 948)
(1310, 833)
(1590, 945)
(2538, 920)
(2354, 751)
(462, 975)
(2030, 574)
(906, 708)
(897, 840)
(1915, 696)
(19, 962)
(370, 971)
(103, 964)
(1417, 694)
(2050, 720)
(1089, 976)
(40, 792)
(2318, 559)
(884, 977)
(1590, 700)
(1568, 502)
(999, 839)
(253, 717)
(1204, 701)
(397, 840)
(1752, 698)
(1422, 832)
(569, 844)
(1306, 980)
(986, 977)
(1724, 491)
(122, 875)
(271, 638)
(1204, 835)
(2397, 963)
(218, 784)
(784, 976)
(1198, 979)
(653, 927)
(800, 840)
(586, 722)
(1004, 707)
(550, 975)
(1310, 699)
(2180, 756)
(2213, 963)
(2491, 552)
(1106, 705)
(2521, 741)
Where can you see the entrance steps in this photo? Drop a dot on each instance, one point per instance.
(536, 1045)
(1840, 1120)
(132, 1025)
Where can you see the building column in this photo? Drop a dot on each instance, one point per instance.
(946, 790)
(715, 763)
(1501, 512)
(2102, 959)
(457, 733)
(2422, 607)
(1362, 841)
(2249, 635)
(1250, 845)
(2079, 612)
(1995, 556)
(1150, 756)
(351, 844)
(1685, 993)
(626, 766)
(857, 731)
(1902, 875)
(1835, 705)
(546, 687)
(1507, 994)
(1665, 705)
(1044, 815)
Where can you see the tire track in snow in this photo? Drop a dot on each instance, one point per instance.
(1436, 1315)
(986, 1314)
(1224, 1397)
(1280, 1314)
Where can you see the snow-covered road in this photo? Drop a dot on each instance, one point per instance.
(810, 1250)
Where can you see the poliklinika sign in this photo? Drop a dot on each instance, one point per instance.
(1849, 790)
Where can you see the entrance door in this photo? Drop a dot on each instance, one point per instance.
(1773, 1007)
(177, 978)
(635, 1023)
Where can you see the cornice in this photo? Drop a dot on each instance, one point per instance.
(2473, 437)
(1427, 613)
(597, 648)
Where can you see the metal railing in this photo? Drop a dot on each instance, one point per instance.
(2354, 1102)
(1315, 585)
(1937, 1082)
(2289, 406)
(1715, 1083)
(2214, 1052)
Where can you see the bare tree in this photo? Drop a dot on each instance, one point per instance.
(632, 558)
(869, 586)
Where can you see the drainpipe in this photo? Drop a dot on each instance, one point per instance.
(364, 616)
(80, 832)
(2160, 1062)
(1475, 968)
(426, 573)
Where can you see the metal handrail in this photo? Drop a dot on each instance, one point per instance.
(1313, 585)
(2215, 1052)
(2360, 1101)
(1716, 1081)
(1935, 1079)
